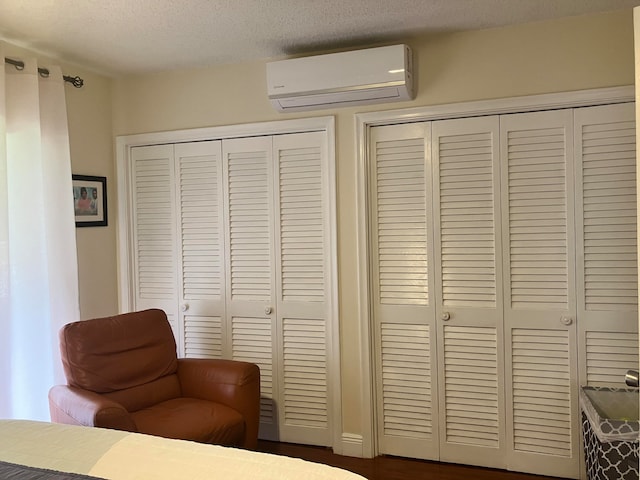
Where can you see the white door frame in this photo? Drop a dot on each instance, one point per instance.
(364, 122)
(125, 143)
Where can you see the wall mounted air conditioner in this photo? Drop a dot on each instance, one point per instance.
(359, 77)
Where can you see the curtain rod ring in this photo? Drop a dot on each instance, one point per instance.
(75, 81)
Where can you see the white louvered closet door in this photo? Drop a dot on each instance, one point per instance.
(303, 263)
(250, 264)
(403, 306)
(235, 240)
(468, 293)
(606, 222)
(540, 304)
(201, 254)
(154, 240)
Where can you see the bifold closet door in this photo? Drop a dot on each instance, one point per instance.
(540, 302)
(436, 279)
(199, 208)
(233, 239)
(278, 265)
(250, 265)
(607, 255)
(528, 256)
(153, 234)
(402, 284)
(468, 290)
(177, 241)
(303, 258)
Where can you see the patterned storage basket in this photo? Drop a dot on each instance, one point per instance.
(610, 444)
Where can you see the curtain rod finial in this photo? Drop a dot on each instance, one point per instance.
(75, 81)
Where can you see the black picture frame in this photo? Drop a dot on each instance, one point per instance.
(90, 200)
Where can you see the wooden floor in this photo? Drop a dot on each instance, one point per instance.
(393, 468)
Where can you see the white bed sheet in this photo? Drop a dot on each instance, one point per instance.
(112, 454)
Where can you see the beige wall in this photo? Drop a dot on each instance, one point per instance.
(570, 54)
(90, 133)
(91, 143)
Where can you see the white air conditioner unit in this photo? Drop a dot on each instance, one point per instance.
(359, 77)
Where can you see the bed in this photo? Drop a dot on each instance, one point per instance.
(32, 450)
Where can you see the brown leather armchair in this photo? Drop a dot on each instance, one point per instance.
(123, 373)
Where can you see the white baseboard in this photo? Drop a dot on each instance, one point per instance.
(350, 445)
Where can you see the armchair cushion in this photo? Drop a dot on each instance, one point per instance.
(115, 353)
(192, 419)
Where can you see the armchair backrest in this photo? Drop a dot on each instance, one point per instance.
(131, 356)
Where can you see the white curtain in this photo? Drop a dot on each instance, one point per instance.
(38, 261)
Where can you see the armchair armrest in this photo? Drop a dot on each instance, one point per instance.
(233, 383)
(75, 406)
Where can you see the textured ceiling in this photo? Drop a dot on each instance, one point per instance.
(135, 36)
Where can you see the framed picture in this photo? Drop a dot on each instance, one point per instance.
(90, 200)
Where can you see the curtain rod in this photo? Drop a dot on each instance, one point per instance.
(19, 64)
